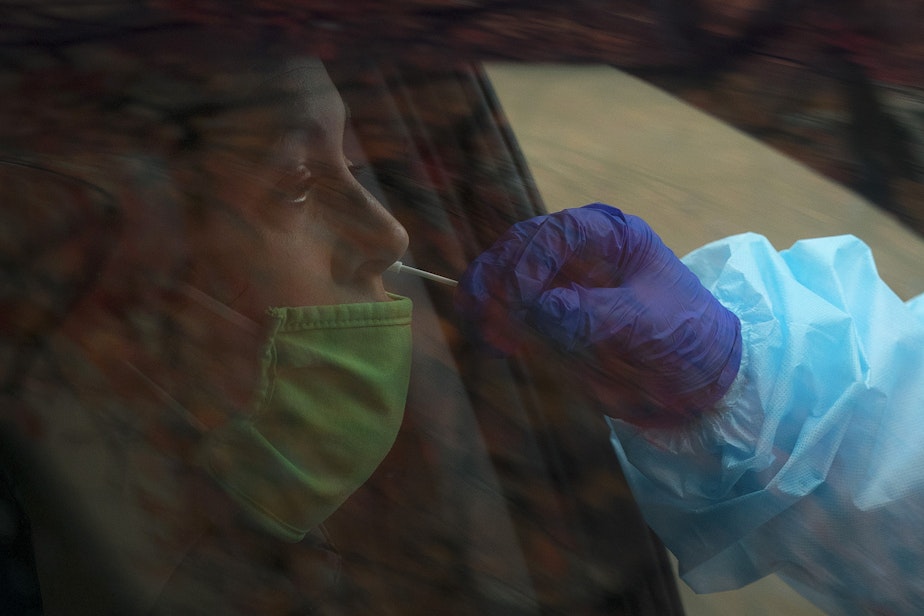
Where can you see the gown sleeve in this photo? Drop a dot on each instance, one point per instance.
(812, 466)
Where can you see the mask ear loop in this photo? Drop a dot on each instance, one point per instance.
(168, 400)
(211, 304)
(221, 309)
(92, 210)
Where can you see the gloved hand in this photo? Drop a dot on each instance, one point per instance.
(603, 287)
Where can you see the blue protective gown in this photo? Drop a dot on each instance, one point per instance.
(813, 466)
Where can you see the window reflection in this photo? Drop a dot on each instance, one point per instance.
(156, 207)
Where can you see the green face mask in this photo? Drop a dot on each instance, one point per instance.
(329, 409)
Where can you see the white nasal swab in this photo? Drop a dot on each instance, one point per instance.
(400, 268)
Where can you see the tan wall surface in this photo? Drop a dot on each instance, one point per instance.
(595, 134)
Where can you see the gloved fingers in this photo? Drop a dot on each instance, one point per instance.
(624, 241)
(576, 317)
(583, 246)
(594, 246)
(593, 329)
(531, 255)
(560, 315)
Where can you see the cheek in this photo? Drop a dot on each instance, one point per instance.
(226, 253)
(292, 265)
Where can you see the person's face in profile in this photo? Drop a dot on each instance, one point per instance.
(289, 224)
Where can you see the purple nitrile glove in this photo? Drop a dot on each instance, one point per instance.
(601, 285)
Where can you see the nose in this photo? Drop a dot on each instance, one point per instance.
(370, 238)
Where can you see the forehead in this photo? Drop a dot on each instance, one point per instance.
(294, 104)
(310, 106)
(307, 88)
